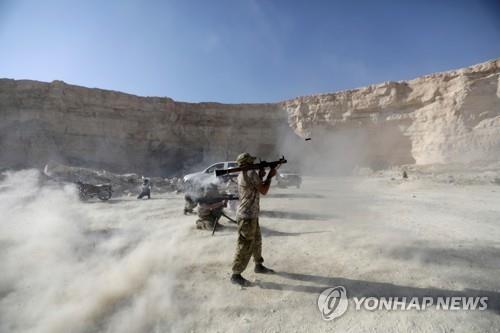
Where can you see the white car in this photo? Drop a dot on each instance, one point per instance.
(209, 171)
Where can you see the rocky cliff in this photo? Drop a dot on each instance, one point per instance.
(440, 118)
(121, 132)
(449, 117)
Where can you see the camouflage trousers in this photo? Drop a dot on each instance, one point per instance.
(189, 204)
(207, 218)
(249, 244)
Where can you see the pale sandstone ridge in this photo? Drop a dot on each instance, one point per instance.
(122, 132)
(449, 117)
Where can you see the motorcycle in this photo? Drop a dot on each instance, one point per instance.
(87, 191)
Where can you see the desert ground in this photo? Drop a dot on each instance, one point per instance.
(141, 266)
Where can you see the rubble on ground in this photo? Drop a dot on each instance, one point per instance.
(122, 183)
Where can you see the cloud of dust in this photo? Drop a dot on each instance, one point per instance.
(342, 151)
(69, 266)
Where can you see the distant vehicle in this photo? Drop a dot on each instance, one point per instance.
(201, 176)
(285, 179)
(87, 191)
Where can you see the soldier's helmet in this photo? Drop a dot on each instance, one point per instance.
(245, 158)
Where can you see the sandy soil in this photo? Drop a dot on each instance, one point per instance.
(129, 265)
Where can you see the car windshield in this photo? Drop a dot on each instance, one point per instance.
(233, 164)
(215, 167)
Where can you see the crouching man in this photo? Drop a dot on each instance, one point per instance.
(250, 186)
(210, 208)
(191, 192)
(145, 189)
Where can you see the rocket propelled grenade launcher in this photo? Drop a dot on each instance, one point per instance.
(256, 166)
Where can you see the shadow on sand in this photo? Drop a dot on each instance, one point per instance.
(466, 257)
(118, 200)
(267, 232)
(295, 195)
(294, 215)
(154, 198)
(360, 288)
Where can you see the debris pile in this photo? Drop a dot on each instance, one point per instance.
(124, 184)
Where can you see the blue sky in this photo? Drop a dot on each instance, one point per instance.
(241, 50)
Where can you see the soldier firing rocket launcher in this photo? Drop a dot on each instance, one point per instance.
(256, 166)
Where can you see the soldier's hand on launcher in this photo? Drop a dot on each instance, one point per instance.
(262, 173)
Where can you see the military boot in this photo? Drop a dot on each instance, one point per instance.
(240, 280)
(259, 268)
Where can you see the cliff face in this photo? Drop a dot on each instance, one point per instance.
(449, 117)
(441, 118)
(121, 132)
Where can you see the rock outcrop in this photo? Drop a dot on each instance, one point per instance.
(126, 133)
(449, 117)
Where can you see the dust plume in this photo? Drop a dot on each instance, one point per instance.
(340, 151)
(74, 267)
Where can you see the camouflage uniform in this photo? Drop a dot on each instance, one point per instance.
(192, 191)
(207, 216)
(189, 204)
(249, 236)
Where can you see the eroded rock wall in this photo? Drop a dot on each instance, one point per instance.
(449, 117)
(121, 132)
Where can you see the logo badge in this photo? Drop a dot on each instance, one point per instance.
(333, 303)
